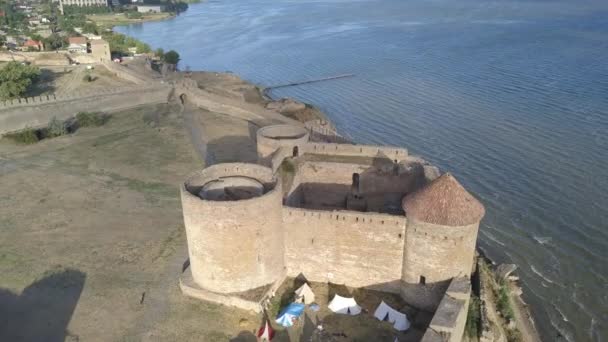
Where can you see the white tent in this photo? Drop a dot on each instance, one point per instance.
(401, 322)
(343, 305)
(384, 312)
(305, 295)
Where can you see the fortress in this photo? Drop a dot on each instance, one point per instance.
(313, 205)
(362, 216)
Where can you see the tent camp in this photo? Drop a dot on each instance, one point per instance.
(305, 295)
(344, 305)
(290, 314)
(265, 334)
(386, 313)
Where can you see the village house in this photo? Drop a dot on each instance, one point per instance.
(77, 45)
(31, 44)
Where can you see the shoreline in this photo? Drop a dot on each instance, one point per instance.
(491, 278)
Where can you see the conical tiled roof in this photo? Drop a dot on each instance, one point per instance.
(444, 202)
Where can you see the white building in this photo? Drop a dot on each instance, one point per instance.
(150, 8)
(81, 3)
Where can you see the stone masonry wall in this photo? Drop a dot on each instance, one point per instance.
(345, 247)
(270, 139)
(123, 71)
(450, 318)
(438, 254)
(37, 111)
(234, 246)
(392, 153)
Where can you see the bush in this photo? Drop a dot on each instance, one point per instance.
(504, 304)
(87, 119)
(26, 136)
(56, 128)
(134, 15)
(514, 335)
(473, 324)
(171, 57)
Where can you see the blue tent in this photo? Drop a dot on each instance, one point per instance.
(288, 315)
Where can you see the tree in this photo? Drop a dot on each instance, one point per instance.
(90, 27)
(160, 53)
(36, 37)
(15, 79)
(54, 42)
(171, 57)
(142, 47)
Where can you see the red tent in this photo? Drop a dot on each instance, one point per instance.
(265, 333)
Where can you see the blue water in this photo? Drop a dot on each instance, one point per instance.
(511, 96)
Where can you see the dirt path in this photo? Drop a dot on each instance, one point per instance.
(194, 127)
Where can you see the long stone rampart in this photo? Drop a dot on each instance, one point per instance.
(345, 247)
(37, 111)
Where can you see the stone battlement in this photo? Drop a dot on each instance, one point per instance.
(343, 216)
(38, 111)
(74, 95)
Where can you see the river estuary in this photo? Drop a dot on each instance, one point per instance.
(510, 96)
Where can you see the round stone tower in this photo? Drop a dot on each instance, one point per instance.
(442, 224)
(271, 138)
(233, 219)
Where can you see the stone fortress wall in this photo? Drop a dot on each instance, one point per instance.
(37, 111)
(343, 221)
(345, 247)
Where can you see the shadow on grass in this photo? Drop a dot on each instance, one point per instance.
(43, 310)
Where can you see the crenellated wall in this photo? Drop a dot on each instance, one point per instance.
(392, 153)
(321, 182)
(345, 247)
(38, 111)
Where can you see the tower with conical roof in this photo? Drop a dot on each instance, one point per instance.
(442, 224)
